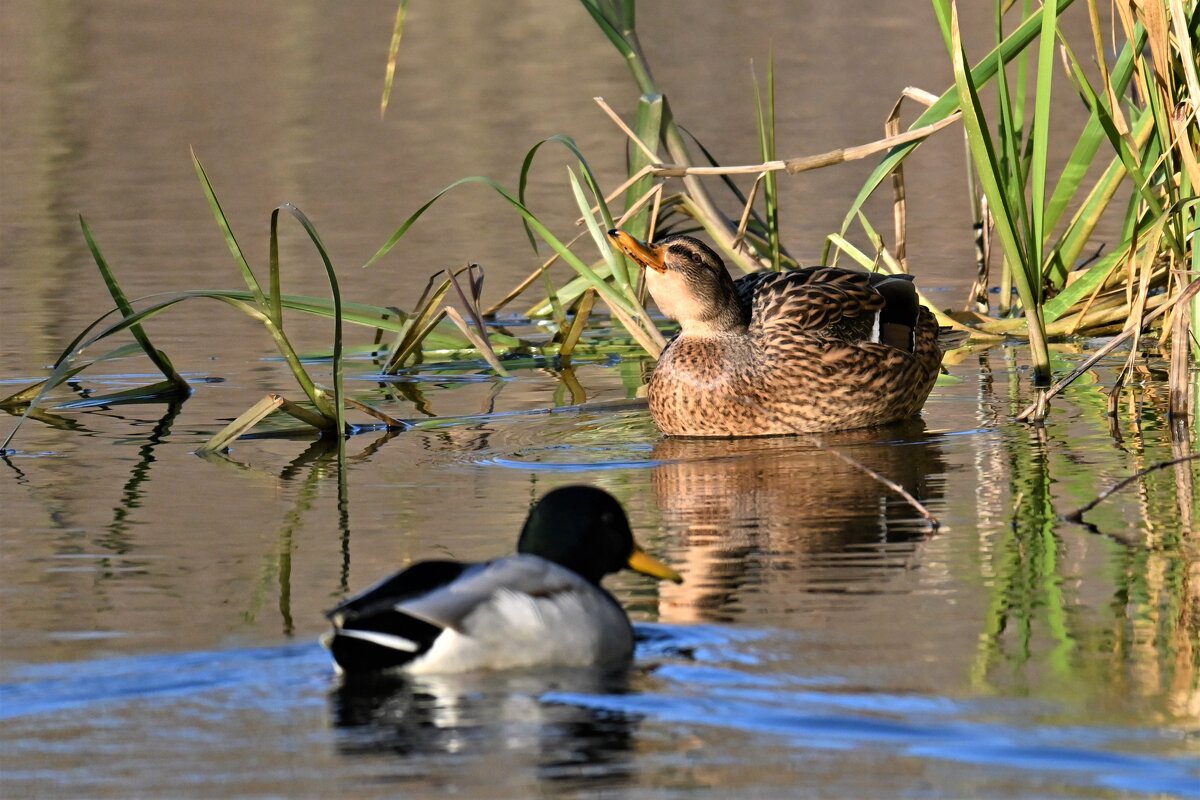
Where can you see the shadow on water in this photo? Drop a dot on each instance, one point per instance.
(117, 537)
(313, 469)
(1137, 550)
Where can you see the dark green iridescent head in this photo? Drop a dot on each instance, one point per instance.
(585, 530)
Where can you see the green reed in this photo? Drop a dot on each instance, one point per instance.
(1140, 142)
(325, 408)
(1137, 148)
(423, 332)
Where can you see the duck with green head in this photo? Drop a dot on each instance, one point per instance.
(802, 351)
(543, 607)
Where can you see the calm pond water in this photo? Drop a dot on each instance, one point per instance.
(160, 610)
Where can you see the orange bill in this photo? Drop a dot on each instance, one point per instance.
(645, 254)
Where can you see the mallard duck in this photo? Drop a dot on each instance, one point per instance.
(542, 607)
(802, 351)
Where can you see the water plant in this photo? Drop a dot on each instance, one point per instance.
(1137, 147)
(1141, 137)
(325, 409)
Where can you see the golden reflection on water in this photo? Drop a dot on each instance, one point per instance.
(740, 510)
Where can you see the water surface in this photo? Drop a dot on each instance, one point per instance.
(160, 611)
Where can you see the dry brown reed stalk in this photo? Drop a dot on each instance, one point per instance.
(793, 166)
(1016, 507)
(571, 333)
(1136, 296)
(528, 281)
(391, 422)
(934, 523)
(747, 210)
(734, 244)
(891, 129)
(1181, 399)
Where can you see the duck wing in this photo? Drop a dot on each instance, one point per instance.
(372, 632)
(452, 605)
(833, 303)
(522, 611)
(419, 579)
(401, 619)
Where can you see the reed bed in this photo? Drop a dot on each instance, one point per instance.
(1135, 158)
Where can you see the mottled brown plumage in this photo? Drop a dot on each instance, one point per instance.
(808, 350)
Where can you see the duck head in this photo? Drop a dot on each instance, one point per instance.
(586, 530)
(688, 282)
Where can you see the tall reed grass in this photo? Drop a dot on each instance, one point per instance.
(1135, 157)
(1138, 147)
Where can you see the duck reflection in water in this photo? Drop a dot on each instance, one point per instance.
(494, 718)
(782, 515)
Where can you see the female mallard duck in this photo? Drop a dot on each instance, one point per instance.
(542, 607)
(803, 351)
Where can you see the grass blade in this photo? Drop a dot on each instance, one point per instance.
(988, 168)
(247, 420)
(765, 117)
(614, 260)
(339, 414)
(981, 73)
(648, 128)
(606, 291)
(154, 393)
(582, 312)
(1118, 142)
(156, 356)
(480, 343)
(393, 52)
(1041, 136)
(230, 240)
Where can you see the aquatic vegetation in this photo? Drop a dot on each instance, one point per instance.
(325, 408)
(1141, 136)
(824, 637)
(1145, 153)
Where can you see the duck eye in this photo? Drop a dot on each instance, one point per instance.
(696, 258)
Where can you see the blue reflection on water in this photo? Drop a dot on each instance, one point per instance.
(68, 686)
(696, 678)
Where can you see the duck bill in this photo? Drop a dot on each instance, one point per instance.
(643, 562)
(644, 254)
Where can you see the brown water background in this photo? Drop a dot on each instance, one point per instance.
(158, 609)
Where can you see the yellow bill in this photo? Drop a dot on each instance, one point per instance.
(643, 562)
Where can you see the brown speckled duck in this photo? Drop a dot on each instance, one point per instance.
(804, 351)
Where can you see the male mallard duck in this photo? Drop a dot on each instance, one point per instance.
(542, 607)
(808, 350)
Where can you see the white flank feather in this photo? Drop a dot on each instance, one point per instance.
(559, 619)
(381, 639)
